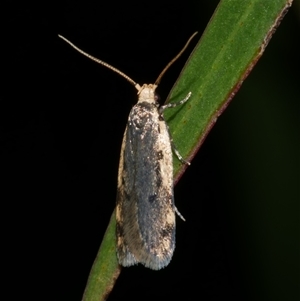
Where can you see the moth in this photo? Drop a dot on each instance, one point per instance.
(145, 209)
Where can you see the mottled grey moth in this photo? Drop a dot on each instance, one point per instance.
(145, 211)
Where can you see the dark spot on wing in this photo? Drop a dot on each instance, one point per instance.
(120, 232)
(160, 155)
(123, 180)
(152, 198)
(166, 231)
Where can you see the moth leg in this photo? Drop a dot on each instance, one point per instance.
(179, 214)
(175, 150)
(161, 109)
(173, 105)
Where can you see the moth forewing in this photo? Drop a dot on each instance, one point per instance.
(145, 187)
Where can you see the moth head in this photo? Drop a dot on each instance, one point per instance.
(147, 93)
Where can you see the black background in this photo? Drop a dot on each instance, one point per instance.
(62, 121)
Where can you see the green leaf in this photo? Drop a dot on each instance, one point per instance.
(232, 43)
(105, 269)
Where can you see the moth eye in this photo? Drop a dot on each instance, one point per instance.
(156, 97)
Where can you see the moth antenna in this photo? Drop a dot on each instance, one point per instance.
(174, 59)
(102, 63)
